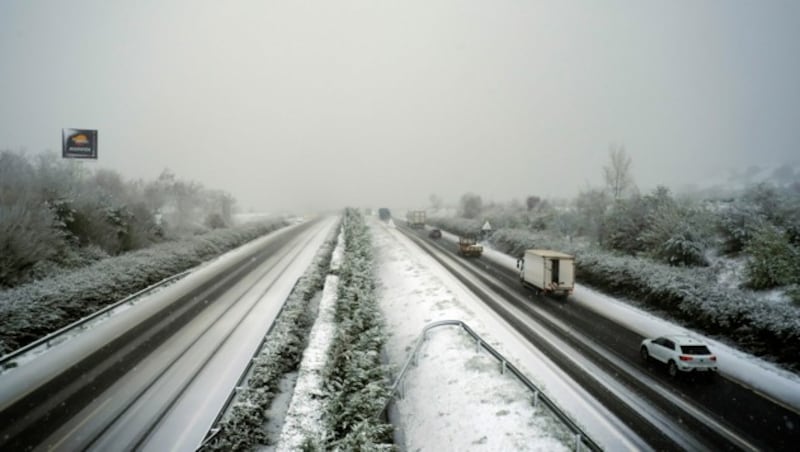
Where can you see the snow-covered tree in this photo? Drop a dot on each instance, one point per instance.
(591, 206)
(772, 260)
(471, 205)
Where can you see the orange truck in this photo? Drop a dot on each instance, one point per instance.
(469, 247)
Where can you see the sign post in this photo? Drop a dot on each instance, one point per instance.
(79, 144)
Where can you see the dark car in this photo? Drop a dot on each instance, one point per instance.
(435, 234)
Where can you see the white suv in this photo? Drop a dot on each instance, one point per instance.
(679, 353)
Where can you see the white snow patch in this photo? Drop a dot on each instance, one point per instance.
(304, 417)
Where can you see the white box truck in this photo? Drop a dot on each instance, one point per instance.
(547, 271)
(416, 218)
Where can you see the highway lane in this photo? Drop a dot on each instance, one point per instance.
(155, 376)
(720, 414)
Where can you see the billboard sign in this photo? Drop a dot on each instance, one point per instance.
(78, 144)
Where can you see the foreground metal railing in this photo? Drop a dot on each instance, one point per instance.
(582, 440)
(51, 339)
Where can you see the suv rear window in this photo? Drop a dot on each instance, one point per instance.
(695, 350)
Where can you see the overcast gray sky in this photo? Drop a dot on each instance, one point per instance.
(319, 103)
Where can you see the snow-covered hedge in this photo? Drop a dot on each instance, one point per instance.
(242, 428)
(33, 310)
(355, 379)
(460, 226)
(691, 295)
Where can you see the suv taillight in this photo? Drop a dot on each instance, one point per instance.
(686, 358)
(713, 358)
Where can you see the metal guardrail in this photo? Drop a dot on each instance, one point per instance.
(581, 438)
(47, 341)
(240, 382)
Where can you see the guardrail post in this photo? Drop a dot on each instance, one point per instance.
(536, 399)
(503, 368)
(477, 346)
(577, 442)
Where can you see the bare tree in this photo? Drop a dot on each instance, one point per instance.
(618, 173)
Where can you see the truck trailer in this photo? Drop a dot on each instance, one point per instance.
(469, 247)
(547, 271)
(416, 219)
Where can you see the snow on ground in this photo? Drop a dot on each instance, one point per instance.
(304, 415)
(765, 377)
(456, 398)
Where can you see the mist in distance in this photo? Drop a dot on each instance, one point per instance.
(311, 105)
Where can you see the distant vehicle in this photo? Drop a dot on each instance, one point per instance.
(680, 354)
(435, 234)
(468, 247)
(547, 271)
(384, 214)
(415, 218)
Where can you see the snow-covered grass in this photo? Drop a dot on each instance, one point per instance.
(693, 296)
(33, 310)
(243, 426)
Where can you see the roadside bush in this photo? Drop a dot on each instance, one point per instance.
(682, 248)
(772, 260)
(356, 381)
(460, 226)
(28, 238)
(623, 226)
(33, 310)
(794, 294)
(737, 224)
(690, 295)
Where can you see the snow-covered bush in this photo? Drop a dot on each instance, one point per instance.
(682, 248)
(28, 237)
(794, 293)
(33, 310)
(623, 226)
(737, 225)
(355, 379)
(658, 226)
(52, 208)
(772, 260)
(456, 225)
(242, 428)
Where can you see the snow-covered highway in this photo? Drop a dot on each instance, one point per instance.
(156, 375)
(690, 414)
